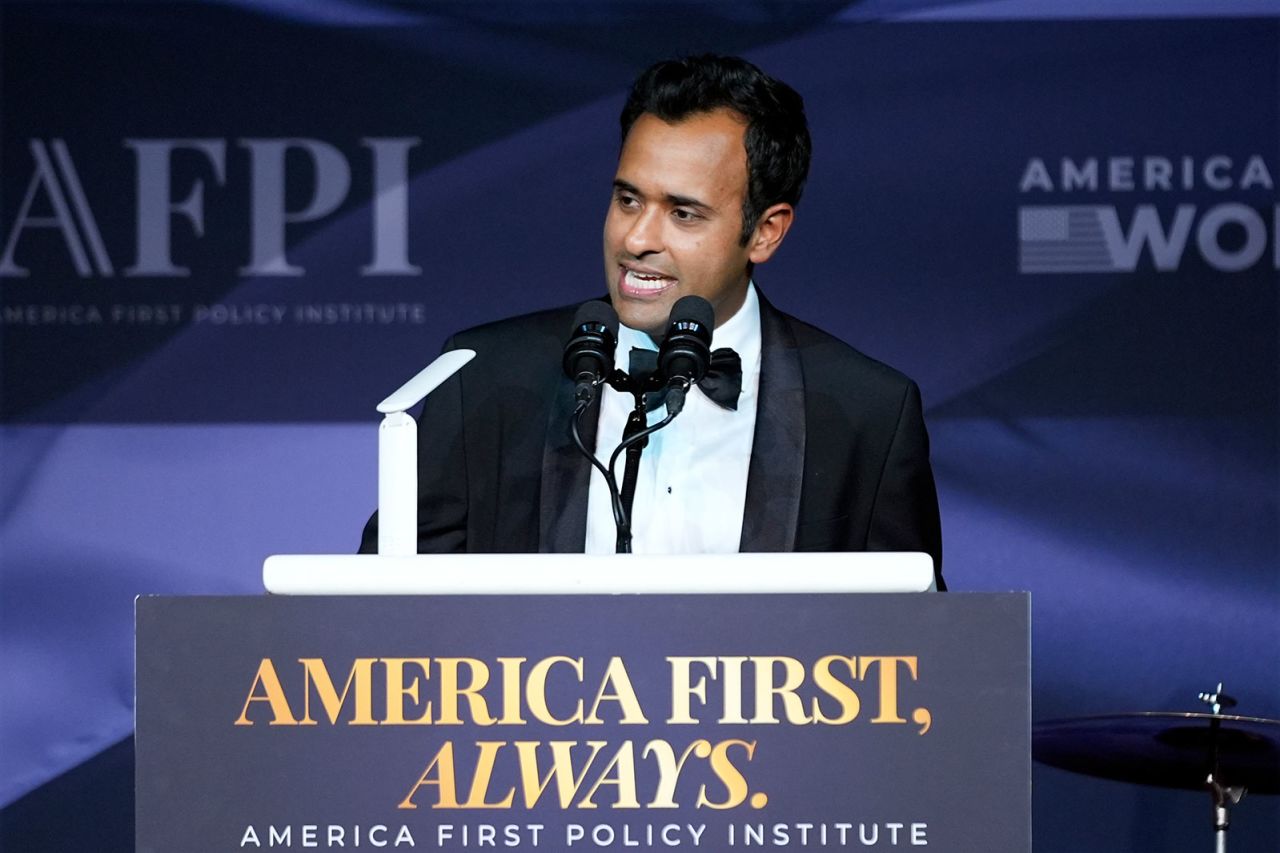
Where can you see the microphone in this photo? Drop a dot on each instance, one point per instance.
(685, 353)
(588, 361)
(588, 357)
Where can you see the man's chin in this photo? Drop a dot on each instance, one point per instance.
(648, 316)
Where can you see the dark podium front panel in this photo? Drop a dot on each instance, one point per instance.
(583, 722)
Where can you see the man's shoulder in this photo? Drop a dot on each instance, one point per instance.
(828, 361)
(518, 352)
(549, 327)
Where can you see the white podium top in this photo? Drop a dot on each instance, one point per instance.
(590, 574)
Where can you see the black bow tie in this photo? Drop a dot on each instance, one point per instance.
(723, 382)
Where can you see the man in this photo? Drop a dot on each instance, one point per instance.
(826, 449)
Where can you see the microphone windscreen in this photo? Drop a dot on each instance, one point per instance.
(597, 311)
(695, 309)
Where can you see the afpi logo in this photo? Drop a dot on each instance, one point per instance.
(1232, 235)
(249, 173)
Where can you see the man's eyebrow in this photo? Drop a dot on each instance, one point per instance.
(687, 201)
(620, 185)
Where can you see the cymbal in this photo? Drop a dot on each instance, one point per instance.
(1165, 749)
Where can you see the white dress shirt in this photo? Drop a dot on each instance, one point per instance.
(692, 482)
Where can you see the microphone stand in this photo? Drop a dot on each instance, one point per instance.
(620, 520)
(635, 436)
(636, 423)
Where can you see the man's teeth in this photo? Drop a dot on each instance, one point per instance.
(646, 281)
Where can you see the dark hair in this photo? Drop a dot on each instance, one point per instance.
(777, 137)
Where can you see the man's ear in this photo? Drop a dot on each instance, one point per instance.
(770, 231)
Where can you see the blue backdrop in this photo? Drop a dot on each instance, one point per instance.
(228, 229)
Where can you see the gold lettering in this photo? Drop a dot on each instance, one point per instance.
(766, 690)
(623, 693)
(281, 713)
(664, 797)
(624, 760)
(732, 686)
(536, 690)
(511, 691)
(826, 681)
(315, 672)
(888, 684)
(567, 783)
(398, 691)
(682, 687)
(450, 692)
(445, 781)
(734, 782)
(484, 773)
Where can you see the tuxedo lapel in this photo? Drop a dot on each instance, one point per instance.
(566, 477)
(774, 477)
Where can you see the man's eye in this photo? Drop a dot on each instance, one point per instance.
(684, 215)
(627, 201)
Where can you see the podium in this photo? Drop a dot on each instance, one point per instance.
(584, 721)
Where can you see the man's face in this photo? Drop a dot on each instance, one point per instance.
(675, 219)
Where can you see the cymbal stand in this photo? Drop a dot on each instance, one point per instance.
(1224, 796)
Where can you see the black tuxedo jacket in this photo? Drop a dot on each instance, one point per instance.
(839, 462)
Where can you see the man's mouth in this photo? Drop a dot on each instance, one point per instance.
(642, 283)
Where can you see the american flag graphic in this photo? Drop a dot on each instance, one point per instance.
(1063, 240)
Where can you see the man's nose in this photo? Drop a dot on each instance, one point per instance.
(645, 234)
